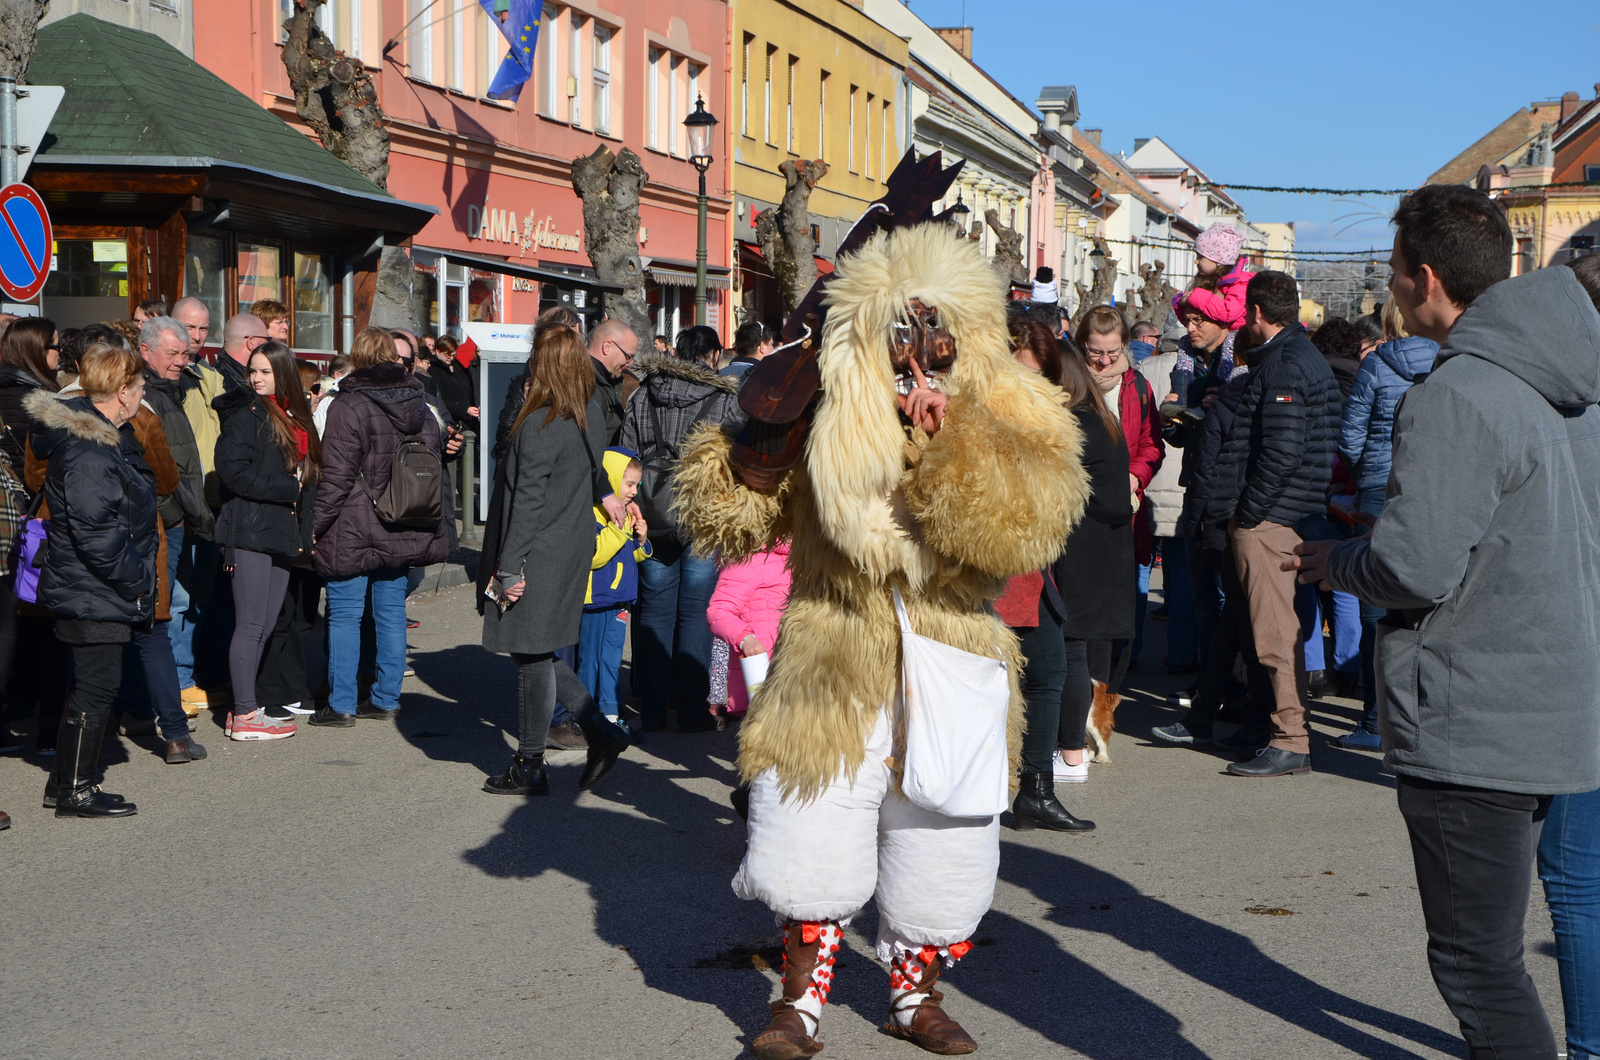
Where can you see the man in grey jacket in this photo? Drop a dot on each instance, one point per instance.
(1487, 557)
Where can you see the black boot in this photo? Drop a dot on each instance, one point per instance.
(77, 763)
(525, 777)
(606, 741)
(1037, 804)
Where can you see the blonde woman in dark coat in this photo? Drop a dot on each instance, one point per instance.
(546, 542)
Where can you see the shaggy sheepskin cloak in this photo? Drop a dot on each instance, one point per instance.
(870, 507)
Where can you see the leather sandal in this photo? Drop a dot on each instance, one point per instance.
(787, 1037)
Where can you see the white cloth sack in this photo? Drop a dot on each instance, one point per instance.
(754, 670)
(955, 707)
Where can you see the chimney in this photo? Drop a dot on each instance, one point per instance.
(1569, 105)
(1138, 142)
(1093, 135)
(1059, 105)
(959, 38)
(1597, 91)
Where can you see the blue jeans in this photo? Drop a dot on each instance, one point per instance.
(600, 637)
(1370, 501)
(181, 629)
(1569, 865)
(347, 598)
(672, 639)
(1346, 629)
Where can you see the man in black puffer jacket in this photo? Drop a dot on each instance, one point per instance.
(1274, 470)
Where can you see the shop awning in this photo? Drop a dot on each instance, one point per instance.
(824, 266)
(513, 267)
(673, 273)
(145, 129)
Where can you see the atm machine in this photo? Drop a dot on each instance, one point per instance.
(502, 355)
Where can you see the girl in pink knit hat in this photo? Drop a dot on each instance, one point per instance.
(1218, 290)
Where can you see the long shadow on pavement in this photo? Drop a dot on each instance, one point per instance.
(1089, 899)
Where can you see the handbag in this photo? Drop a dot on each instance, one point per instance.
(28, 558)
(954, 705)
(655, 478)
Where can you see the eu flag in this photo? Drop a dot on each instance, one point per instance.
(519, 23)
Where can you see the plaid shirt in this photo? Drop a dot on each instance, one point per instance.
(13, 501)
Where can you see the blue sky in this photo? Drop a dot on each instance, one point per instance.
(1282, 93)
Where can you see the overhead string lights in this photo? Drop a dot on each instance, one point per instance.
(1379, 191)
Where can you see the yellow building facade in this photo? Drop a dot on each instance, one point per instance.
(818, 80)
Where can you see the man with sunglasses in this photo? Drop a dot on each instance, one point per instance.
(242, 335)
(612, 346)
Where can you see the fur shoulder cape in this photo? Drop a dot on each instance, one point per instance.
(946, 519)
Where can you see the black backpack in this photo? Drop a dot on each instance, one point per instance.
(414, 498)
(658, 465)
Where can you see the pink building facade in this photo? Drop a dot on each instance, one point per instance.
(508, 240)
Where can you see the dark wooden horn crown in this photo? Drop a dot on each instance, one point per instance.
(780, 392)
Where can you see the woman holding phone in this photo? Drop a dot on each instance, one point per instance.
(547, 530)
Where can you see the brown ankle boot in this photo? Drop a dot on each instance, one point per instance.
(930, 1027)
(788, 1036)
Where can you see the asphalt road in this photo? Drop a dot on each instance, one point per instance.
(352, 893)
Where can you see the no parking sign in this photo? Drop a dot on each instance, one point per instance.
(25, 242)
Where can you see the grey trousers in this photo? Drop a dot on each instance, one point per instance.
(541, 680)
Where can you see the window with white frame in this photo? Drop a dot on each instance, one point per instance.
(489, 39)
(550, 38)
(421, 41)
(575, 54)
(602, 79)
(652, 129)
(883, 144)
(850, 161)
(458, 48)
(744, 87)
(866, 148)
(693, 93)
(771, 51)
(674, 129)
(789, 136)
(822, 117)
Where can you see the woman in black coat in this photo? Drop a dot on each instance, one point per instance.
(29, 359)
(99, 576)
(28, 366)
(267, 452)
(1096, 570)
(359, 554)
(546, 541)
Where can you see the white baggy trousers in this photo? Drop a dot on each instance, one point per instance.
(933, 875)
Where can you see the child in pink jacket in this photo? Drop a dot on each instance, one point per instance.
(746, 609)
(1221, 296)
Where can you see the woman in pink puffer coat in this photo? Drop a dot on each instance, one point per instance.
(746, 610)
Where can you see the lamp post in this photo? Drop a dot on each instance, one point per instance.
(700, 125)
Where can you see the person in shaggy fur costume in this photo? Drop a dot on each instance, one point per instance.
(978, 484)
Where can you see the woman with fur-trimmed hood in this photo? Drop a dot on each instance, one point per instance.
(980, 482)
(671, 636)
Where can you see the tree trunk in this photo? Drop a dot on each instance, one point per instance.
(1105, 284)
(1155, 297)
(336, 97)
(785, 233)
(609, 186)
(19, 26)
(1008, 250)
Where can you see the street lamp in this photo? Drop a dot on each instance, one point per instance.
(700, 125)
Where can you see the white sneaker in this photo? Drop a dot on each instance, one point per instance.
(1066, 774)
(299, 708)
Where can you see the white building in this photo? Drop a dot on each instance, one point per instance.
(1184, 187)
(952, 106)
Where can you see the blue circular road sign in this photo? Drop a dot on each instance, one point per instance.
(26, 240)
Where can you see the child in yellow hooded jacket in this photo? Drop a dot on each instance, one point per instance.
(613, 584)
